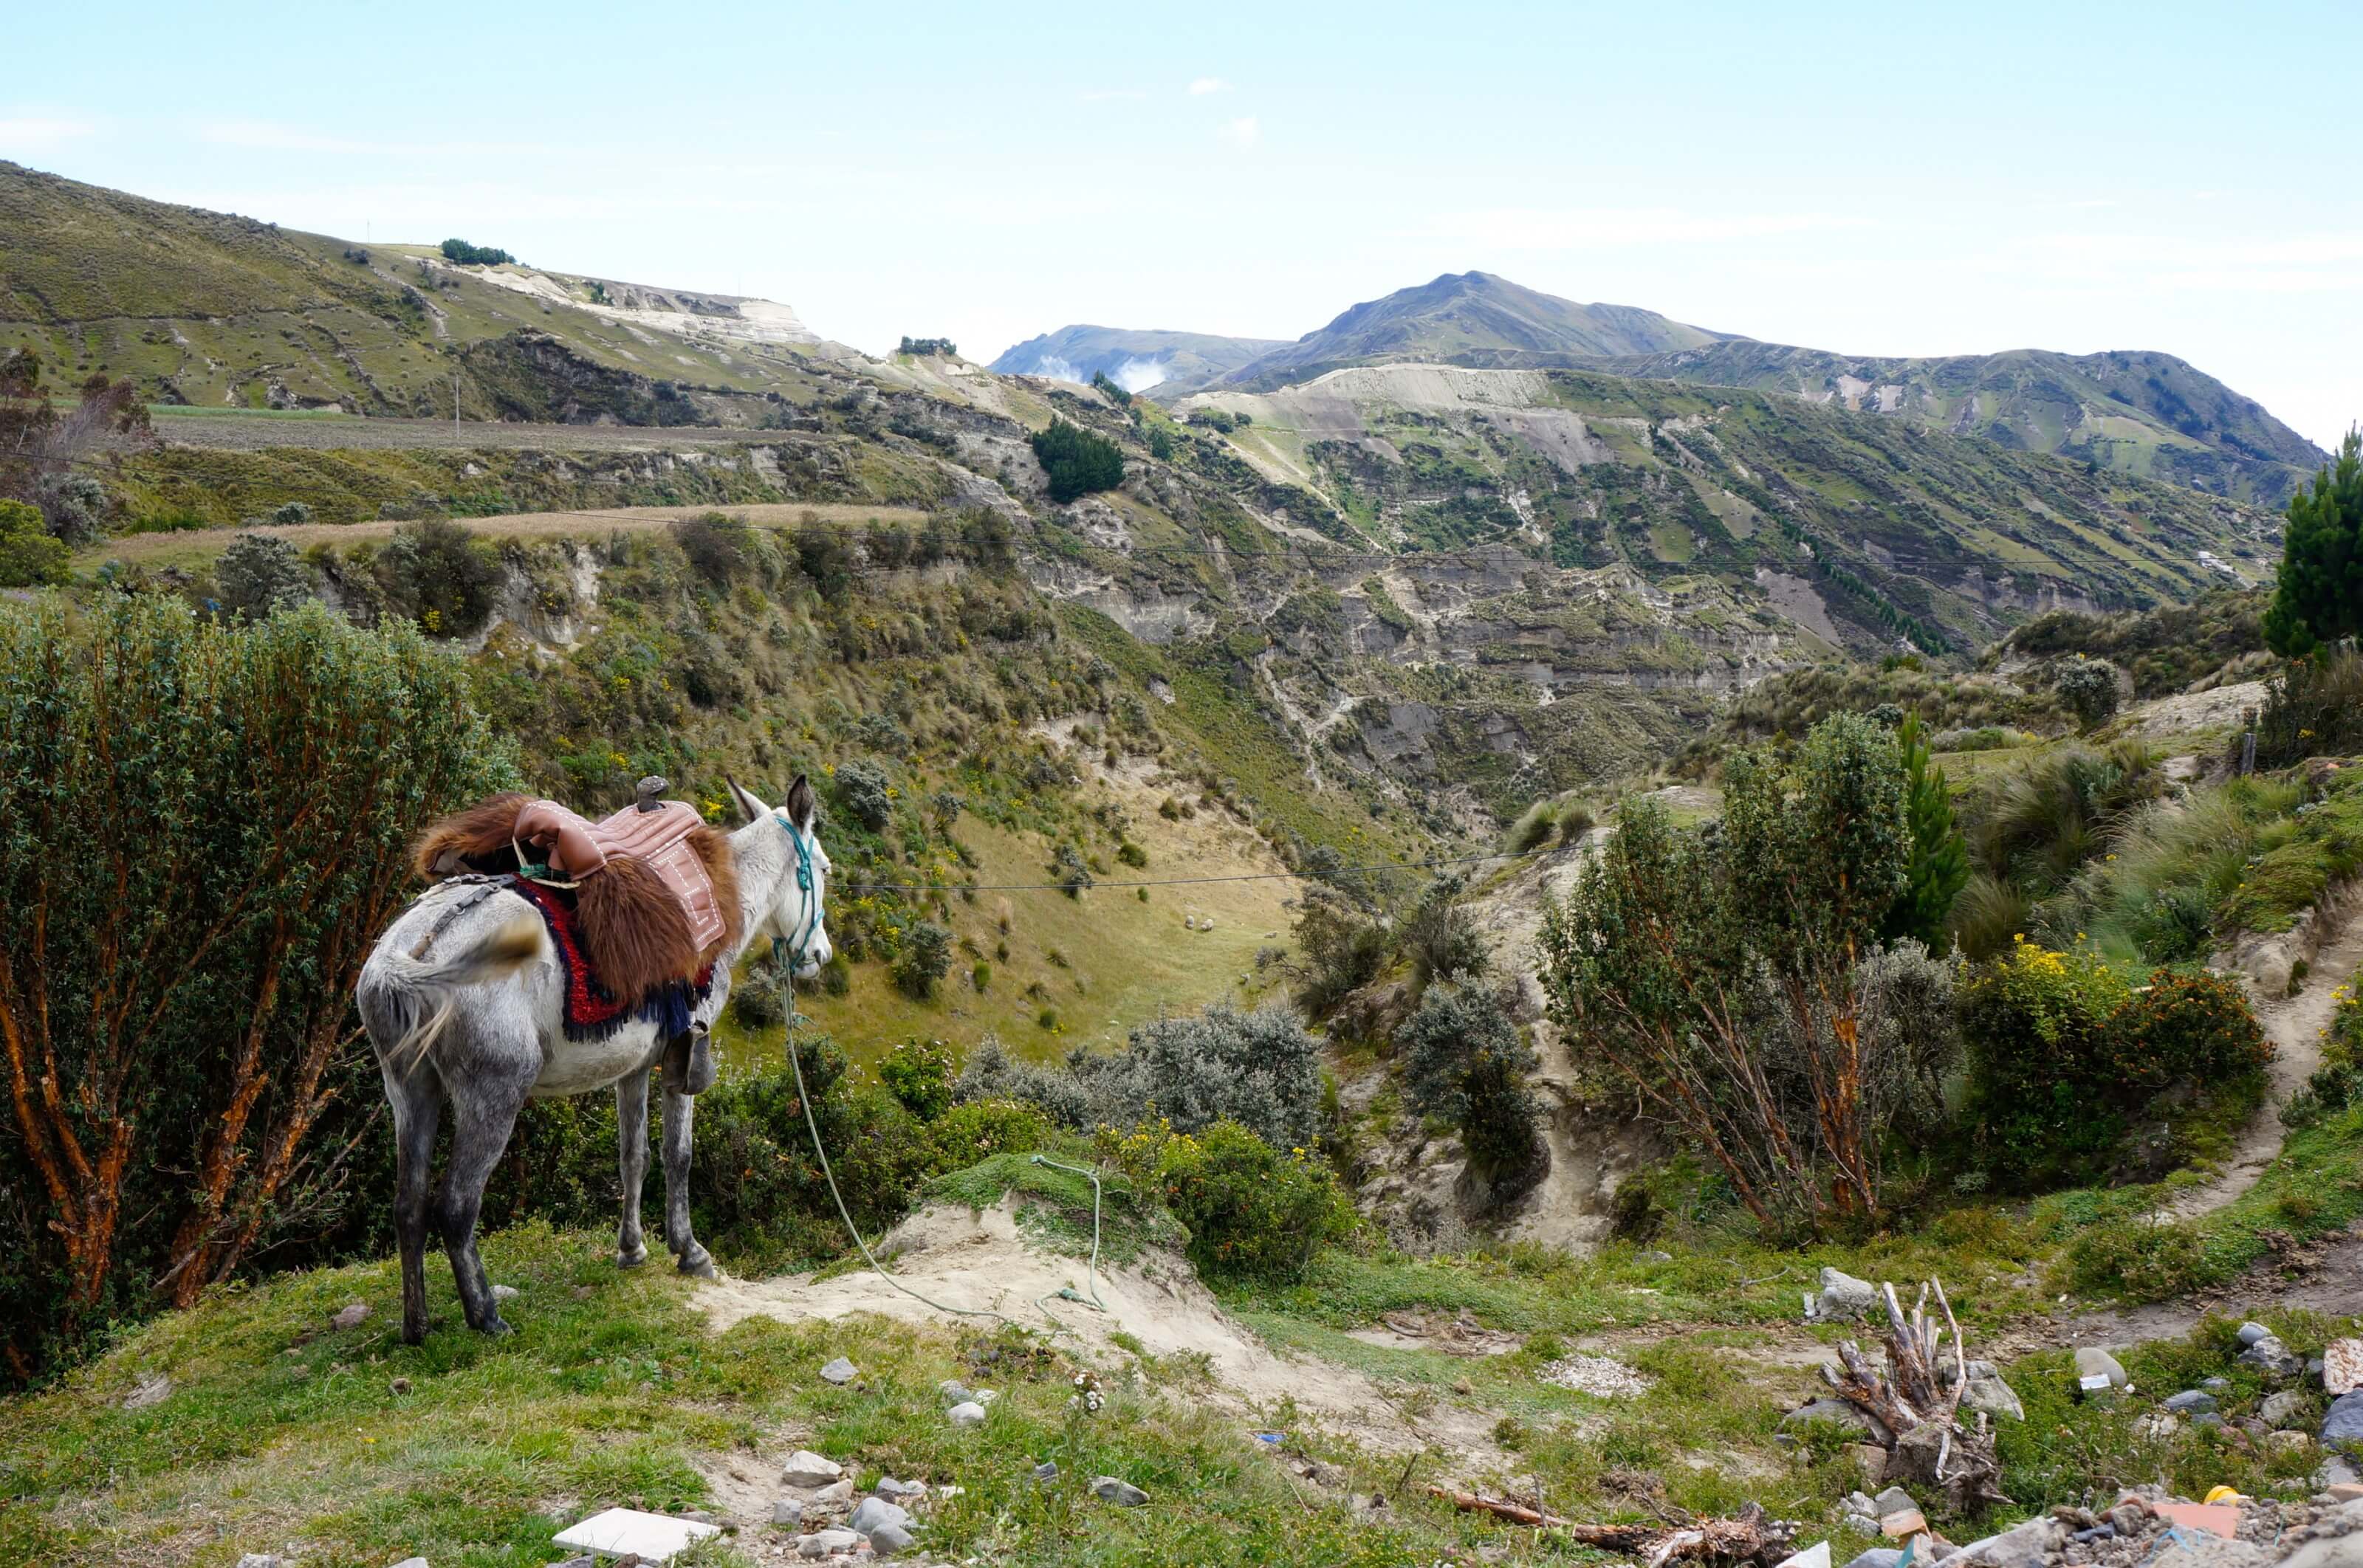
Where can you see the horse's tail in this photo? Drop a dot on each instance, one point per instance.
(412, 998)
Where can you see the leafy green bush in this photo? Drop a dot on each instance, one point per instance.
(862, 789)
(1441, 936)
(2064, 1048)
(435, 573)
(756, 1002)
(1077, 462)
(2314, 707)
(919, 1074)
(2089, 687)
(30, 557)
(1464, 1063)
(924, 959)
(980, 1129)
(1343, 949)
(466, 254)
(1252, 1212)
(257, 573)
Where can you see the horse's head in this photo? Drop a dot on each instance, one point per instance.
(796, 915)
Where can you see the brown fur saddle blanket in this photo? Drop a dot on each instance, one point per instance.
(655, 893)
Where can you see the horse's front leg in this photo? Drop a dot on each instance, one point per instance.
(632, 1163)
(680, 1111)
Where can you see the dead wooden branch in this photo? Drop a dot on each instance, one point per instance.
(1748, 1536)
(1912, 1399)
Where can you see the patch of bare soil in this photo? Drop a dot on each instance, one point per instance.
(979, 1262)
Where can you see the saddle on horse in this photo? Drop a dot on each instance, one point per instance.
(655, 890)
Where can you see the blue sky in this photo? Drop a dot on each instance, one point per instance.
(1876, 180)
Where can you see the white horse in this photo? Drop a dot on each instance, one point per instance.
(479, 1022)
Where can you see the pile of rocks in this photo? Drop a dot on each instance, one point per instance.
(2280, 1419)
(2147, 1529)
(831, 1521)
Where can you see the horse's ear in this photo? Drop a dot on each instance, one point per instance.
(803, 806)
(750, 807)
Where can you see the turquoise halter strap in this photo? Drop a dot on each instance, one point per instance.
(809, 927)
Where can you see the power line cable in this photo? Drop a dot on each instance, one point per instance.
(1375, 867)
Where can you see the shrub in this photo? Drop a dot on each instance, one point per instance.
(30, 556)
(257, 573)
(1160, 443)
(1068, 869)
(1344, 950)
(1132, 855)
(2139, 1260)
(290, 514)
(919, 1074)
(716, 547)
(978, 1130)
(76, 507)
(434, 572)
(1076, 461)
(2313, 707)
(1259, 1069)
(2063, 1049)
(981, 976)
(1441, 936)
(1253, 1213)
(1464, 1063)
(862, 791)
(756, 1002)
(924, 958)
(993, 1074)
(822, 557)
(2089, 688)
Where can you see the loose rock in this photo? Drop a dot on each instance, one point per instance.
(2280, 1407)
(889, 1539)
(1123, 1494)
(1989, 1393)
(840, 1371)
(504, 1292)
(350, 1317)
(805, 1468)
(968, 1413)
(1877, 1557)
(822, 1542)
(2251, 1332)
(787, 1511)
(152, 1389)
(871, 1512)
(954, 1391)
(1895, 1500)
(2341, 1368)
(1842, 1413)
(1843, 1296)
(2344, 1423)
(2094, 1362)
(2190, 1402)
(2024, 1547)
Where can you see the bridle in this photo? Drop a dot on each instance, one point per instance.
(799, 946)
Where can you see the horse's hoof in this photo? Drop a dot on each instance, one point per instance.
(632, 1259)
(697, 1261)
(499, 1325)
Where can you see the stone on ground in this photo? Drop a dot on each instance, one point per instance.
(152, 1389)
(805, 1468)
(2094, 1362)
(1903, 1523)
(2251, 1332)
(871, 1512)
(2191, 1402)
(350, 1317)
(820, 1543)
(2344, 1423)
(787, 1511)
(2279, 1407)
(2026, 1546)
(1123, 1494)
(1814, 1556)
(1988, 1392)
(954, 1391)
(1843, 1296)
(2341, 1368)
(1842, 1413)
(1877, 1557)
(840, 1371)
(968, 1413)
(504, 1292)
(412, 1562)
(1893, 1500)
(889, 1539)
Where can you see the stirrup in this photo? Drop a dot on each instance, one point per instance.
(689, 1065)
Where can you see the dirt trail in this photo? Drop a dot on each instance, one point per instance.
(978, 1261)
(587, 524)
(2295, 1025)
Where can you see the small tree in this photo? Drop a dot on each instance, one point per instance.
(1441, 937)
(1259, 1069)
(1464, 1063)
(1076, 461)
(868, 798)
(258, 572)
(208, 825)
(1673, 947)
(2318, 597)
(1939, 866)
(2090, 688)
(924, 958)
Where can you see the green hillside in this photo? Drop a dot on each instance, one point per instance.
(2143, 413)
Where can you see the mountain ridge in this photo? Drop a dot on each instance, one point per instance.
(1128, 357)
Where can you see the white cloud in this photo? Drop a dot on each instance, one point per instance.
(1206, 84)
(1576, 228)
(1241, 132)
(29, 132)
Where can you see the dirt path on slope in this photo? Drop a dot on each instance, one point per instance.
(591, 523)
(2295, 1025)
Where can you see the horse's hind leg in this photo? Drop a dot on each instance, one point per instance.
(632, 1162)
(484, 1115)
(418, 1103)
(680, 1111)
